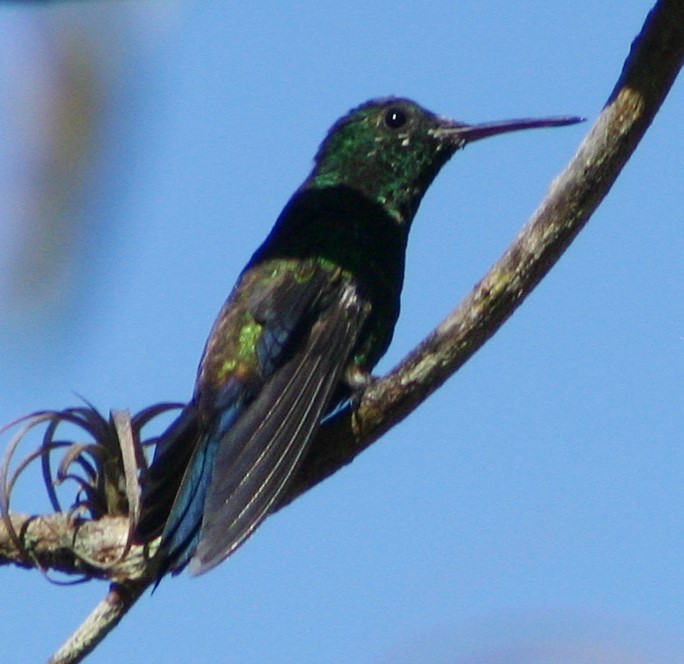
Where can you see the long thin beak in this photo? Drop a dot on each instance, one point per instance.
(465, 133)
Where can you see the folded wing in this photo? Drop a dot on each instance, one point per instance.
(242, 438)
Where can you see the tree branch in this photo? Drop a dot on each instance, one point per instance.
(654, 61)
(93, 548)
(102, 620)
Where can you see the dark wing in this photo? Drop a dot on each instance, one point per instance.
(224, 463)
(267, 312)
(260, 452)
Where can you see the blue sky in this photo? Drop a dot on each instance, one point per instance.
(531, 510)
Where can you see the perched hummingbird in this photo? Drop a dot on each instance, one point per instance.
(311, 314)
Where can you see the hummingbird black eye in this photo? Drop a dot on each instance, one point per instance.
(395, 118)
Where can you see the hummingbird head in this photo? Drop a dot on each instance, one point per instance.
(391, 149)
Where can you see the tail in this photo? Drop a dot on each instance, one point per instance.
(160, 483)
(175, 486)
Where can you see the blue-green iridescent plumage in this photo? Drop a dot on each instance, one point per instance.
(310, 315)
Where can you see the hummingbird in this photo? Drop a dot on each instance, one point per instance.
(309, 317)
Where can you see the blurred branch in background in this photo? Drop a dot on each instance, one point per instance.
(54, 98)
(63, 68)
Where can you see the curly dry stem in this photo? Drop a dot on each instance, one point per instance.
(651, 68)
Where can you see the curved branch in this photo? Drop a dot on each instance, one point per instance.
(654, 61)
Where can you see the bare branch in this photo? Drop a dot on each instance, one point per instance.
(654, 61)
(102, 620)
(91, 548)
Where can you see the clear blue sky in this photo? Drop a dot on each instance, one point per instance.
(531, 510)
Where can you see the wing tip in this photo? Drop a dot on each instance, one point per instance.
(199, 566)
